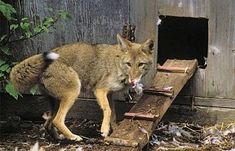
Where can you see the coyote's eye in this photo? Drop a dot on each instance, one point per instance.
(128, 64)
(141, 64)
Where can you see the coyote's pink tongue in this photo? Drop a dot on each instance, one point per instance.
(133, 83)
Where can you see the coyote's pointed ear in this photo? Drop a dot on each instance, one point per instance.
(123, 43)
(148, 46)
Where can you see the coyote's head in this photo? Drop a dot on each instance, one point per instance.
(136, 59)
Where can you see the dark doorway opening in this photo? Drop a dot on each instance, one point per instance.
(183, 38)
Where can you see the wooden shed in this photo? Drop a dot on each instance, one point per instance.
(202, 29)
(182, 29)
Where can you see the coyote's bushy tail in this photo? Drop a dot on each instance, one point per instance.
(26, 74)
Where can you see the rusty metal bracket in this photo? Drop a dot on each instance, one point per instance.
(141, 116)
(167, 91)
(128, 32)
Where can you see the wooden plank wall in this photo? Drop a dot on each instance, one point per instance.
(189, 8)
(94, 21)
(218, 79)
(220, 74)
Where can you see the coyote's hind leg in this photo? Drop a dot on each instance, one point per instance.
(63, 83)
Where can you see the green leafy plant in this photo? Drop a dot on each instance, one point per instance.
(19, 29)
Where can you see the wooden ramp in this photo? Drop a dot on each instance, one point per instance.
(134, 131)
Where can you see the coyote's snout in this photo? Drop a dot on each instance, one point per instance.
(101, 68)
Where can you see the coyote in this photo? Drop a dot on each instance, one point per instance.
(101, 68)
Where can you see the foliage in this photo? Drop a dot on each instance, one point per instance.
(19, 29)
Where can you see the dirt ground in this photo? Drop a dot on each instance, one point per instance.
(23, 135)
(17, 135)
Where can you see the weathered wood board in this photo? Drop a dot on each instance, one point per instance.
(136, 133)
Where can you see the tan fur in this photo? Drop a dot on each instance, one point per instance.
(101, 68)
(25, 74)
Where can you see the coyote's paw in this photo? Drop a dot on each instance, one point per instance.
(105, 130)
(76, 138)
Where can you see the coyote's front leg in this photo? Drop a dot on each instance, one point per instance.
(101, 95)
